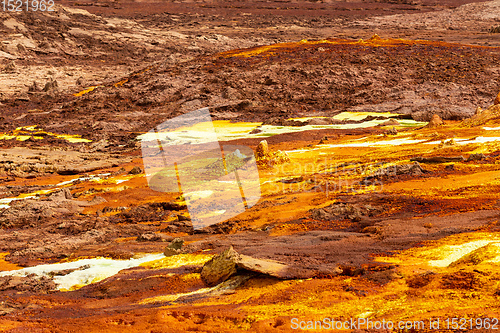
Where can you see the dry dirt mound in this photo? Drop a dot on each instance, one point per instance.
(477, 18)
(132, 93)
(417, 78)
(435, 121)
(47, 57)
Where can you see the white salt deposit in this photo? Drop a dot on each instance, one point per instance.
(86, 270)
(197, 134)
(456, 252)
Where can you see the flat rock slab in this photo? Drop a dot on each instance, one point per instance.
(228, 263)
(269, 267)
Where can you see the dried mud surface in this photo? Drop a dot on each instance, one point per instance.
(376, 222)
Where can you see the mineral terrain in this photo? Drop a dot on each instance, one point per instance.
(375, 128)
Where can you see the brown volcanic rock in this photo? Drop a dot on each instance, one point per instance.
(149, 237)
(497, 100)
(299, 77)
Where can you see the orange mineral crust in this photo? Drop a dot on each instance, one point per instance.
(374, 41)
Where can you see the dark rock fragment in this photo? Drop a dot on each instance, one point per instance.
(438, 159)
(421, 280)
(135, 170)
(176, 244)
(149, 237)
(174, 247)
(51, 85)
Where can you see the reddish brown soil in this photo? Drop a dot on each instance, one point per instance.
(356, 249)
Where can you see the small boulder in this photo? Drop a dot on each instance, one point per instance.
(255, 131)
(220, 268)
(168, 252)
(67, 194)
(176, 244)
(149, 237)
(135, 170)
(279, 157)
(174, 247)
(265, 158)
